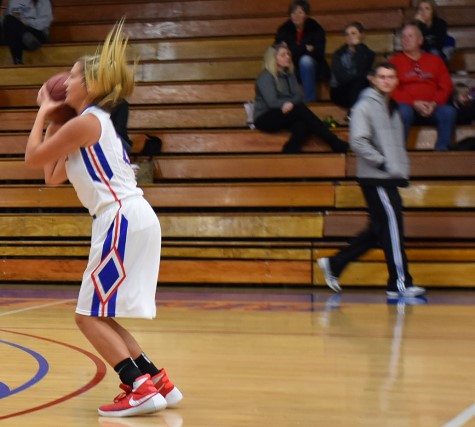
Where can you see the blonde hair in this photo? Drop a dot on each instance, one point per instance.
(270, 62)
(108, 77)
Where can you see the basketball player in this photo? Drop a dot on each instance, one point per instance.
(121, 276)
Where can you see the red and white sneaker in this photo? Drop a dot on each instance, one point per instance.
(143, 398)
(166, 388)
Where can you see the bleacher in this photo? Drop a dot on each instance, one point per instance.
(233, 209)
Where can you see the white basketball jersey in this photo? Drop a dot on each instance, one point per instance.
(101, 173)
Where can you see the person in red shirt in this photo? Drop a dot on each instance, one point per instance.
(424, 88)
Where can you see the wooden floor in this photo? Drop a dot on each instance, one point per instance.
(250, 358)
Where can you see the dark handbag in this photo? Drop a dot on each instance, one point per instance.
(152, 146)
(145, 171)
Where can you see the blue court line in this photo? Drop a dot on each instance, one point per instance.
(43, 368)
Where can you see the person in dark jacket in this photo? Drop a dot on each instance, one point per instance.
(433, 28)
(464, 104)
(382, 165)
(279, 104)
(306, 40)
(350, 66)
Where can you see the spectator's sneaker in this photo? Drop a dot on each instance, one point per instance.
(143, 398)
(330, 279)
(409, 292)
(166, 388)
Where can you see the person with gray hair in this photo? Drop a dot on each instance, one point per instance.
(279, 104)
(424, 88)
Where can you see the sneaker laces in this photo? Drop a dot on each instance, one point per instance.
(127, 390)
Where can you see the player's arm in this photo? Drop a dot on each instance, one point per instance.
(80, 131)
(55, 172)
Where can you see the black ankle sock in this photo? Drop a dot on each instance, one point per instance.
(146, 366)
(128, 371)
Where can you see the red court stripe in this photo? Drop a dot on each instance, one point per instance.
(98, 377)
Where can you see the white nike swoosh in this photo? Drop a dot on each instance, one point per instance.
(138, 402)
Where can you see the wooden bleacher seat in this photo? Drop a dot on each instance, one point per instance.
(242, 26)
(419, 195)
(189, 9)
(153, 94)
(183, 196)
(432, 165)
(256, 263)
(181, 117)
(456, 16)
(449, 225)
(251, 166)
(229, 204)
(199, 141)
(186, 50)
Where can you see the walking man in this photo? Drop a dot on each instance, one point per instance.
(377, 138)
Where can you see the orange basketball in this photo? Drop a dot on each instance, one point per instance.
(56, 87)
(57, 91)
(62, 114)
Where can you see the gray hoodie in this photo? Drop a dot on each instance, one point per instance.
(37, 16)
(377, 138)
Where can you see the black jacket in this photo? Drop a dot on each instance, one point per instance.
(435, 35)
(313, 34)
(347, 66)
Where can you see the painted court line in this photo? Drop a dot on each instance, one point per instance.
(34, 307)
(462, 418)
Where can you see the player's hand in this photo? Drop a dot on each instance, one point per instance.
(45, 101)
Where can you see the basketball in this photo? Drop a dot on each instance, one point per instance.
(62, 114)
(56, 87)
(57, 92)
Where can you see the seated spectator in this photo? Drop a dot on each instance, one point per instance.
(306, 40)
(350, 66)
(279, 104)
(26, 26)
(433, 28)
(424, 88)
(464, 104)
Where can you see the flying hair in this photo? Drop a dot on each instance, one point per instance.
(108, 76)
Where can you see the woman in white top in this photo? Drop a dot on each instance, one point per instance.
(121, 276)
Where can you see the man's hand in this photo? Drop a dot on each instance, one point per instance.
(288, 106)
(425, 108)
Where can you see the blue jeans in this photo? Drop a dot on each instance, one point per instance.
(308, 76)
(443, 117)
